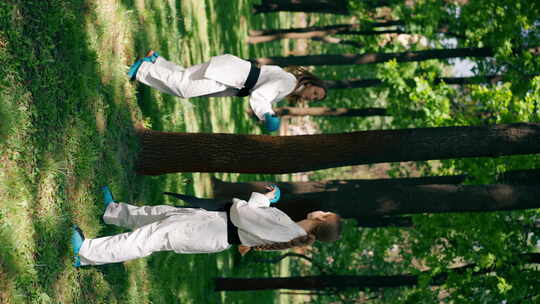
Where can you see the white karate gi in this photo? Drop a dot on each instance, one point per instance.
(186, 230)
(223, 75)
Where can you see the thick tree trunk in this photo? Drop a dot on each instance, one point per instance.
(369, 58)
(334, 112)
(228, 190)
(308, 6)
(398, 200)
(361, 282)
(169, 152)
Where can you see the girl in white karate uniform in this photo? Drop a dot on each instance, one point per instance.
(251, 223)
(227, 75)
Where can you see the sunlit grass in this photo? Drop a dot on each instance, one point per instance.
(68, 113)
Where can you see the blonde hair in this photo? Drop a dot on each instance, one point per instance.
(327, 231)
(304, 77)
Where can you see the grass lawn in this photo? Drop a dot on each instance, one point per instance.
(67, 116)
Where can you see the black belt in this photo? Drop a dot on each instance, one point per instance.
(232, 231)
(251, 80)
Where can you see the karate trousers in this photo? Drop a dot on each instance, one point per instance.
(173, 79)
(156, 228)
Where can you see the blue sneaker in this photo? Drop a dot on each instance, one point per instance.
(107, 196)
(77, 239)
(271, 122)
(151, 56)
(277, 194)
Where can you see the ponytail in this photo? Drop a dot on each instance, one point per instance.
(325, 231)
(304, 240)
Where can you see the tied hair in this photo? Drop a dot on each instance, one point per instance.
(303, 77)
(304, 240)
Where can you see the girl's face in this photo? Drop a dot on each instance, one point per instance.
(311, 92)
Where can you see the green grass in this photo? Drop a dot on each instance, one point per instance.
(67, 115)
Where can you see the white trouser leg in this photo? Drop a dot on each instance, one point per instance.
(127, 246)
(172, 79)
(161, 77)
(169, 65)
(129, 216)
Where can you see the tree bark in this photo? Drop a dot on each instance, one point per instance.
(366, 83)
(169, 152)
(399, 200)
(384, 221)
(317, 34)
(370, 58)
(329, 29)
(315, 282)
(311, 32)
(228, 190)
(333, 40)
(361, 282)
(333, 112)
(339, 7)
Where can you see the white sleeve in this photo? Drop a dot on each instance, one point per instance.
(261, 99)
(279, 85)
(258, 200)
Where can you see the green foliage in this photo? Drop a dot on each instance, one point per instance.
(67, 112)
(493, 243)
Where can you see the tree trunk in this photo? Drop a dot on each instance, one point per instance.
(398, 200)
(315, 282)
(369, 58)
(334, 112)
(328, 29)
(366, 83)
(361, 282)
(317, 34)
(170, 152)
(228, 190)
(334, 40)
(310, 32)
(384, 221)
(339, 7)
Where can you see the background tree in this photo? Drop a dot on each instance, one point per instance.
(369, 58)
(331, 112)
(224, 190)
(308, 6)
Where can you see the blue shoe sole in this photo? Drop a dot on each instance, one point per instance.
(107, 196)
(134, 68)
(277, 195)
(77, 239)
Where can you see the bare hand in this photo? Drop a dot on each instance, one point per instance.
(243, 249)
(271, 192)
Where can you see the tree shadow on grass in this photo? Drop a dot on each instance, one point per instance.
(61, 74)
(185, 277)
